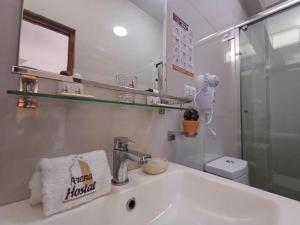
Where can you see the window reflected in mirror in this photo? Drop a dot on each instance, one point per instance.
(46, 44)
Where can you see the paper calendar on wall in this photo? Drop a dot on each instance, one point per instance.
(182, 46)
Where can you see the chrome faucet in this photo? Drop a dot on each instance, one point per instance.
(121, 156)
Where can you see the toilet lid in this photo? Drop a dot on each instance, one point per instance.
(227, 167)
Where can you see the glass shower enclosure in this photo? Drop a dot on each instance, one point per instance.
(270, 101)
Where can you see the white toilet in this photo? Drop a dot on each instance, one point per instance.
(230, 168)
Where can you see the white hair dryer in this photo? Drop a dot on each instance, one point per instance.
(205, 97)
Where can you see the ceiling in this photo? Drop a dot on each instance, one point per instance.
(216, 15)
(213, 14)
(252, 7)
(155, 8)
(269, 3)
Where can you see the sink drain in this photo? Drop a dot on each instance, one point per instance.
(131, 203)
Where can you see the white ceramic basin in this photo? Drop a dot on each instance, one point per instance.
(181, 196)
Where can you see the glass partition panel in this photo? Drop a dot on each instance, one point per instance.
(254, 104)
(283, 70)
(270, 68)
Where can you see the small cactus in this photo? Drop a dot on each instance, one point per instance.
(191, 114)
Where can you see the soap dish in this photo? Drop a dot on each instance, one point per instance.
(155, 166)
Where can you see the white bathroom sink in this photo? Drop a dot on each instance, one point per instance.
(180, 196)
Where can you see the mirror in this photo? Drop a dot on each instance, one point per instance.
(102, 40)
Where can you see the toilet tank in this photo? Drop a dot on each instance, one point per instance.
(229, 168)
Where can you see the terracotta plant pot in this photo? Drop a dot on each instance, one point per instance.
(190, 126)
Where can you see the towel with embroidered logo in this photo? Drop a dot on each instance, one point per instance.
(65, 182)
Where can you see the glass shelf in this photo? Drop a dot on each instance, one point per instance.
(20, 70)
(90, 99)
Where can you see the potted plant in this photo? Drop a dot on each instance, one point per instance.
(190, 123)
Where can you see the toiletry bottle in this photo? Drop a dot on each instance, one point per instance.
(77, 87)
(64, 87)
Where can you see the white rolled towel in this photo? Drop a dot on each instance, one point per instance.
(66, 182)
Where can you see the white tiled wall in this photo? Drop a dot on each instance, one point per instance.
(59, 128)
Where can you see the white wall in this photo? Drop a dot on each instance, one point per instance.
(211, 58)
(206, 17)
(100, 54)
(190, 15)
(59, 128)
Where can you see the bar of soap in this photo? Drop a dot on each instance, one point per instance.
(155, 166)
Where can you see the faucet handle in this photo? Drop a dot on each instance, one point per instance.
(124, 140)
(121, 143)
